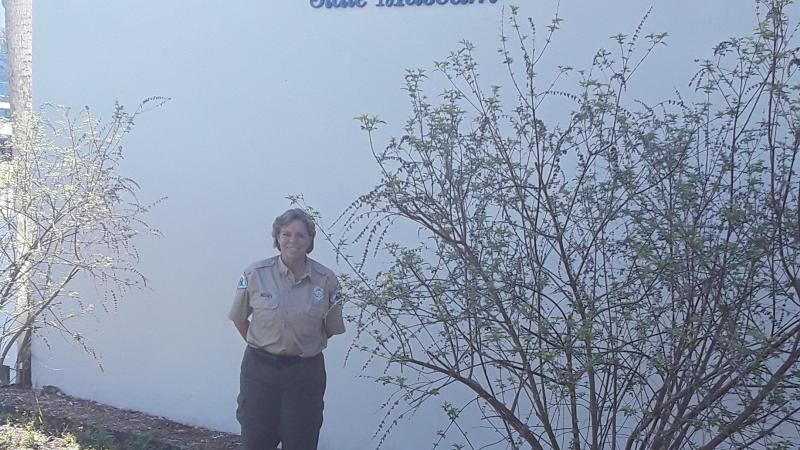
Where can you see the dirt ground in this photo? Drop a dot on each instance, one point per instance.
(55, 405)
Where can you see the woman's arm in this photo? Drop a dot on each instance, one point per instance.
(242, 326)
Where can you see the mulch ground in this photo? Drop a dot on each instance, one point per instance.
(70, 411)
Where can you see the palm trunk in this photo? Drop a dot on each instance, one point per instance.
(19, 38)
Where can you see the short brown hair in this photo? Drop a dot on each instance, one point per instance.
(290, 216)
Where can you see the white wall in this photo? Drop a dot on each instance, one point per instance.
(264, 93)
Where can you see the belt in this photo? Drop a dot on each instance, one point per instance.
(284, 360)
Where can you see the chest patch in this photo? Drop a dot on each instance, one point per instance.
(318, 293)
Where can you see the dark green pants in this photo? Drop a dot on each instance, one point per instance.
(280, 400)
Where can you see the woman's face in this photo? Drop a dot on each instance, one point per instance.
(294, 242)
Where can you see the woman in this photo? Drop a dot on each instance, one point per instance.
(285, 308)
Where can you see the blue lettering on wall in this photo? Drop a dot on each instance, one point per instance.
(391, 3)
(338, 3)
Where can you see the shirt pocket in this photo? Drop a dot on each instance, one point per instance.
(317, 308)
(263, 303)
(265, 323)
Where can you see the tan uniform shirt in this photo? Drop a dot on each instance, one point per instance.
(288, 316)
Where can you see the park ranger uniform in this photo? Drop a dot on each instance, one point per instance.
(283, 378)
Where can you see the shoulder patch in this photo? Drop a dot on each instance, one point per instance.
(242, 283)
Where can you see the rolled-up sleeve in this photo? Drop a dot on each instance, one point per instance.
(240, 309)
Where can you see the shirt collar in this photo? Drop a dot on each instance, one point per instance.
(283, 269)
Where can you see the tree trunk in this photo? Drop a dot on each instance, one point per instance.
(19, 38)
